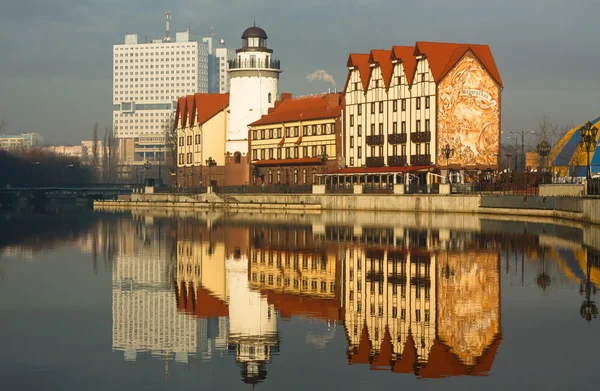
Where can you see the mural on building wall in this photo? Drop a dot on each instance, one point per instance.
(468, 291)
(469, 115)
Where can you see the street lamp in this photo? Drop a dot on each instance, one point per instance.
(515, 168)
(210, 162)
(522, 133)
(588, 309)
(62, 174)
(588, 143)
(543, 149)
(324, 158)
(448, 152)
(147, 166)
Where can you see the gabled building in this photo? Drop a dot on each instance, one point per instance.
(201, 123)
(297, 141)
(404, 105)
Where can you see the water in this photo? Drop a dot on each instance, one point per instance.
(166, 300)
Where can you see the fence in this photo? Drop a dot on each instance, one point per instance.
(594, 187)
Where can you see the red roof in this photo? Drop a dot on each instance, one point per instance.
(361, 61)
(380, 170)
(383, 360)
(384, 59)
(304, 109)
(409, 62)
(203, 305)
(409, 357)
(197, 109)
(443, 56)
(442, 363)
(363, 352)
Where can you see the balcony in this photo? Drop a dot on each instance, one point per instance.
(420, 160)
(375, 161)
(397, 138)
(254, 64)
(375, 140)
(420, 137)
(396, 161)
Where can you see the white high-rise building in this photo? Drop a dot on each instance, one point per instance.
(222, 58)
(254, 82)
(148, 77)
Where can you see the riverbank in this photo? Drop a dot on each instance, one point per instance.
(581, 209)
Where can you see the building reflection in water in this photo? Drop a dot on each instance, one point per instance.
(419, 301)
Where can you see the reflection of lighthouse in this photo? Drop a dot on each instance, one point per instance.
(252, 324)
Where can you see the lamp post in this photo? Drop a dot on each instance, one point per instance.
(588, 143)
(522, 133)
(448, 152)
(588, 309)
(210, 162)
(515, 168)
(147, 166)
(324, 158)
(62, 174)
(543, 149)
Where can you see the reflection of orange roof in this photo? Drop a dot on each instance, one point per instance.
(295, 305)
(383, 360)
(442, 363)
(361, 356)
(384, 60)
(361, 61)
(409, 62)
(442, 57)
(203, 305)
(487, 359)
(409, 357)
(304, 108)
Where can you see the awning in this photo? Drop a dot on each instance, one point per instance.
(287, 162)
(379, 170)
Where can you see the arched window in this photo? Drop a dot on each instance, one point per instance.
(269, 97)
(237, 157)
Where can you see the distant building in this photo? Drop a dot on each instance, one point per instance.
(25, 140)
(404, 105)
(87, 151)
(297, 141)
(74, 151)
(148, 78)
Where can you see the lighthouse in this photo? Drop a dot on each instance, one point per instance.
(254, 84)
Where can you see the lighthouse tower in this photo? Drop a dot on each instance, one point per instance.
(254, 82)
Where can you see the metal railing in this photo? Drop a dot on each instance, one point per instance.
(254, 64)
(594, 187)
(254, 189)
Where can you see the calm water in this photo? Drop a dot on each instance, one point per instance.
(148, 300)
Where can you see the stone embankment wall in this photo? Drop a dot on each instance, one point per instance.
(582, 209)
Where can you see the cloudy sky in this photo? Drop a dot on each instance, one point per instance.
(55, 62)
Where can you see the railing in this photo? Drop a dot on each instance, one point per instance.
(396, 161)
(340, 189)
(285, 189)
(420, 137)
(397, 138)
(420, 160)
(375, 161)
(594, 187)
(379, 190)
(254, 64)
(375, 140)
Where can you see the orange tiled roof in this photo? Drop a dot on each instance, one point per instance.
(361, 61)
(409, 357)
(384, 59)
(409, 62)
(383, 360)
(304, 108)
(442, 56)
(197, 109)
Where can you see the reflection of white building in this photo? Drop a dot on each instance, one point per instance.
(252, 323)
(145, 316)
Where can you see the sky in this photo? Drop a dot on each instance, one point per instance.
(56, 61)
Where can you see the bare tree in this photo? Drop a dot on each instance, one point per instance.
(110, 158)
(2, 126)
(547, 130)
(94, 160)
(170, 132)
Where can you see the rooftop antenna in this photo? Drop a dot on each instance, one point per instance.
(212, 31)
(168, 33)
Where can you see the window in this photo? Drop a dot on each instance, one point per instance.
(254, 154)
(427, 150)
(403, 127)
(359, 130)
(373, 108)
(359, 155)
(314, 151)
(295, 152)
(395, 127)
(270, 153)
(262, 134)
(380, 129)
(332, 128)
(418, 125)
(427, 125)
(181, 141)
(323, 129)
(395, 106)
(305, 130)
(197, 139)
(403, 104)
(287, 153)
(351, 141)
(314, 130)
(237, 157)
(359, 109)
(381, 107)
(270, 133)
(269, 97)
(426, 102)
(372, 130)
(373, 151)
(356, 86)
(262, 154)
(394, 150)
(351, 119)
(304, 151)
(189, 140)
(278, 153)
(422, 77)
(296, 174)
(296, 130)
(376, 83)
(418, 104)
(351, 161)
(287, 132)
